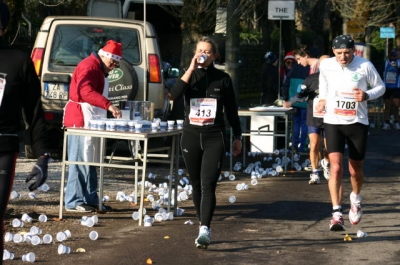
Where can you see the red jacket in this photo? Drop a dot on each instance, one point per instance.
(87, 85)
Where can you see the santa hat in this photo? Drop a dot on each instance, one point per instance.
(112, 50)
(289, 56)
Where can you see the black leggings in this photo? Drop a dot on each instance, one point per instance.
(7, 172)
(203, 154)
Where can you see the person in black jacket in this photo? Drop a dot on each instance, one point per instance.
(208, 96)
(19, 90)
(269, 79)
(315, 122)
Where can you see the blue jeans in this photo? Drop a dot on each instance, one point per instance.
(300, 129)
(82, 180)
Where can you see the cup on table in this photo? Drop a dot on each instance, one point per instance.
(171, 124)
(154, 126)
(179, 124)
(163, 125)
(138, 127)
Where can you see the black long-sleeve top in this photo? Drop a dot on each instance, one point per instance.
(209, 83)
(311, 91)
(22, 93)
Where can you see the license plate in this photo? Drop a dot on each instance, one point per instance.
(56, 90)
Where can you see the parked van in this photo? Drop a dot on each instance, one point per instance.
(63, 42)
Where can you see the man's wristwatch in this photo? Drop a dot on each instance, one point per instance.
(239, 137)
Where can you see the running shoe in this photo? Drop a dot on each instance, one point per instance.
(314, 178)
(337, 222)
(326, 167)
(204, 238)
(386, 126)
(397, 126)
(355, 213)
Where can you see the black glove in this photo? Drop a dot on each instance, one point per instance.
(39, 172)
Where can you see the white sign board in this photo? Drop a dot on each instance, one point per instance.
(280, 10)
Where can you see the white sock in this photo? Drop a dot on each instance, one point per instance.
(355, 198)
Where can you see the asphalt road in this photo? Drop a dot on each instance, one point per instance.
(282, 220)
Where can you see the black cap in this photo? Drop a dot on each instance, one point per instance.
(343, 42)
(270, 57)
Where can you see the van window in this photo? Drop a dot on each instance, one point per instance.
(72, 43)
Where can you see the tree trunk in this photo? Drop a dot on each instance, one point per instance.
(232, 45)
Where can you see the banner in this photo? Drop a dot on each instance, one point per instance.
(360, 49)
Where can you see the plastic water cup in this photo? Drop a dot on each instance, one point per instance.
(89, 221)
(15, 195)
(29, 257)
(239, 187)
(135, 216)
(101, 125)
(106, 198)
(232, 177)
(179, 124)
(361, 234)
(47, 239)
(179, 211)
(35, 230)
(254, 182)
(26, 218)
(18, 238)
(8, 237)
(17, 223)
(63, 249)
(170, 216)
(138, 127)
(61, 236)
(158, 217)
(93, 235)
(7, 255)
(163, 125)
(279, 169)
(42, 218)
(68, 233)
(232, 199)
(150, 197)
(154, 126)
(27, 237)
(171, 124)
(36, 240)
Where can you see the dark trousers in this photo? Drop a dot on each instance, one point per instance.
(7, 173)
(203, 154)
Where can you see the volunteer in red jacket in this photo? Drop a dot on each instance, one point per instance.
(87, 97)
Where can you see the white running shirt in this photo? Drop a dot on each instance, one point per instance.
(336, 85)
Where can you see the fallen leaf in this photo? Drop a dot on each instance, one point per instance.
(80, 250)
(166, 237)
(149, 261)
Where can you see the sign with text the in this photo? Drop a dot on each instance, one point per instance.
(281, 10)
